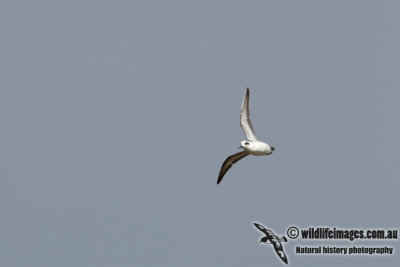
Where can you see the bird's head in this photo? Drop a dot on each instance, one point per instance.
(244, 144)
(264, 239)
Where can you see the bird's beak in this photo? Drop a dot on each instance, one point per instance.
(272, 148)
(240, 147)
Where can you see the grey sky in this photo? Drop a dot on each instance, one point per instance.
(117, 115)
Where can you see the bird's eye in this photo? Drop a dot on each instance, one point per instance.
(246, 143)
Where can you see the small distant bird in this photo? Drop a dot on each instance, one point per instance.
(251, 146)
(274, 240)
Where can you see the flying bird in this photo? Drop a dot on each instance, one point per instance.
(251, 146)
(274, 240)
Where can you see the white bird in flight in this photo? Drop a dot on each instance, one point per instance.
(251, 146)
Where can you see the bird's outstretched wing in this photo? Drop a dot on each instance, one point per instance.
(262, 228)
(229, 162)
(279, 250)
(245, 121)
